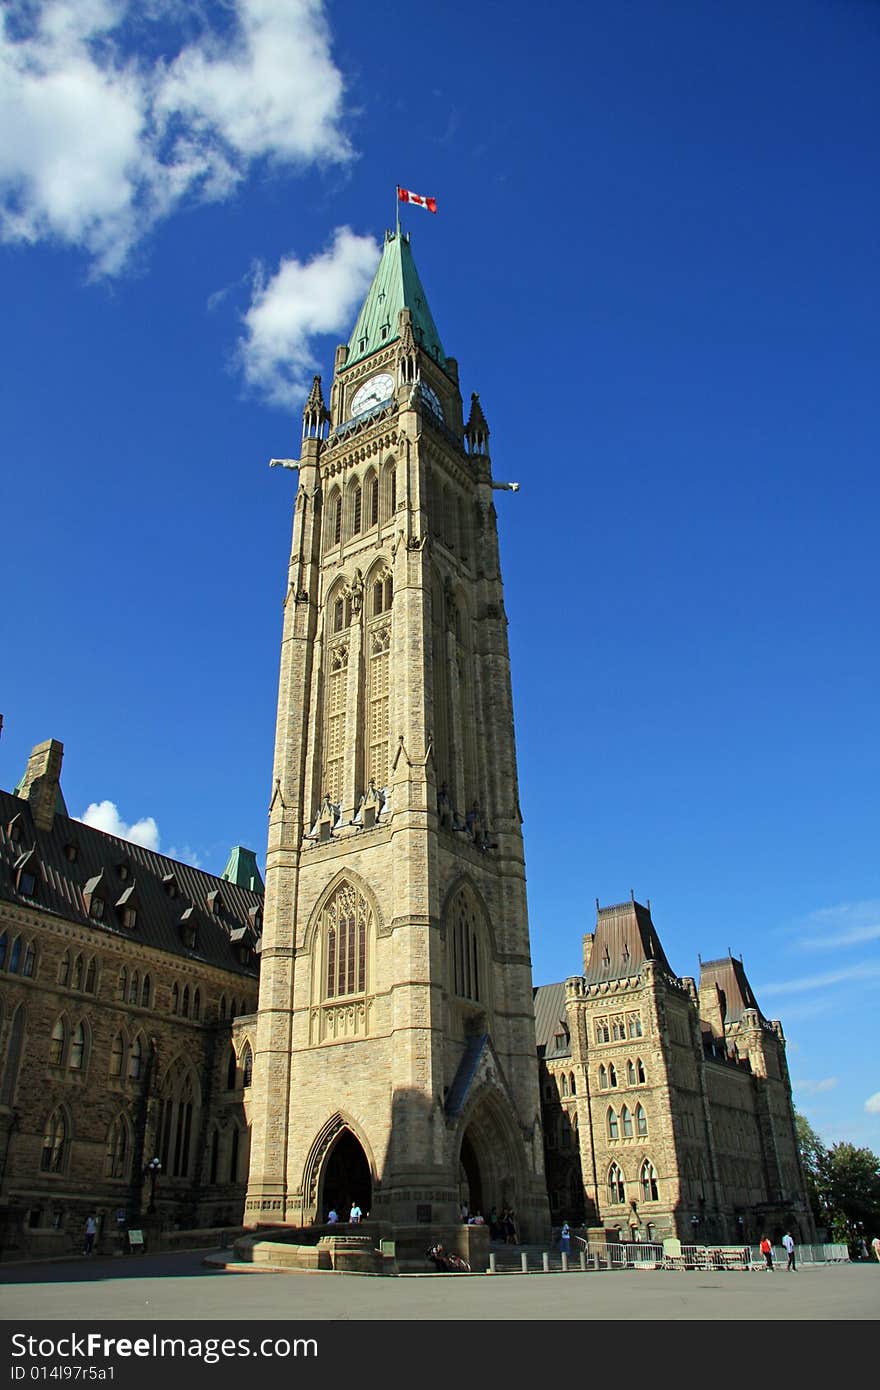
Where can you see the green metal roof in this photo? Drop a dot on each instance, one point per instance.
(396, 285)
(242, 869)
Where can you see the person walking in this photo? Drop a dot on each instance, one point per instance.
(788, 1245)
(565, 1238)
(354, 1215)
(90, 1231)
(767, 1251)
(875, 1246)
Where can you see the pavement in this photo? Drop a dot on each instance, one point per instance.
(182, 1287)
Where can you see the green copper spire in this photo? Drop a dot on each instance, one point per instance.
(396, 285)
(242, 869)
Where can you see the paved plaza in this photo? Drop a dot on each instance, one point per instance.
(181, 1287)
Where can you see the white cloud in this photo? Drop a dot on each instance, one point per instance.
(872, 1104)
(185, 854)
(845, 924)
(104, 815)
(865, 970)
(299, 301)
(97, 143)
(815, 1088)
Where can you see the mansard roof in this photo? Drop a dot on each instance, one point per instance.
(72, 857)
(730, 977)
(241, 868)
(625, 938)
(396, 285)
(551, 1022)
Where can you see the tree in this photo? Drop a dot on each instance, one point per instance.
(851, 1182)
(814, 1157)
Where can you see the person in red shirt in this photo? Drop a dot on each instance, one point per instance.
(767, 1252)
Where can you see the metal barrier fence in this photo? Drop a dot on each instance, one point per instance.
(805, 1254)
(598, 1255)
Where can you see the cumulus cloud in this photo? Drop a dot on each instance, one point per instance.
(104, 815)
(815, 1088)
(298, 302)
(99, 142)
(872, 1104)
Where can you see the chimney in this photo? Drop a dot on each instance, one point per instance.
(589, 938)
(40, 784)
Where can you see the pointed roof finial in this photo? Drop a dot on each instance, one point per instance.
(315, 414)
(476, 430)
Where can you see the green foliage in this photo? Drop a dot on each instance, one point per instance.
(843, 1185)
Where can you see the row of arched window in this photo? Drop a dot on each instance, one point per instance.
(568, 1086)
(69, 1044)
(133, 990)
(449, 517)
(647, 1181)
(184, 1003)
(18, 955)
(119, 1148)
(630, 1122)
(635, 1074)
(363, 504)
(618, 1027)
(232, 1008)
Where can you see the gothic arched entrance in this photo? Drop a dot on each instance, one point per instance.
(490, 1173)
(346, 1178)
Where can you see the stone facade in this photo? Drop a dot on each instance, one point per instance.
(126, 980)
(395, 1038)
(676, 1103)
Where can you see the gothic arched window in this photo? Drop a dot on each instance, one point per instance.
(77, 1057)
(14, 1045)
(616, 1184)
(135, 1060)
(346, 919)
(231, 1069)
(640, 1070)
(64, 968)
(613, 1130)
(56, 1138)
(247, 1065)
(378, 684)
(603, 1077)
(57, 1043)
(630, 1073)
(634, 1025)
(627, 1122)
(91, 974)
(564, 1084)
(15, 956)
(571, 1086)
(123, 984)
(641, 1121)
(612, 1074)
(184, 1005)
(134, 987)
(197, 1004)
(468, 964)
(335, 704)
(372, 499)
(648, 1178)
(117, 1055)
(178, 1119)
(145, 993)
(118, 1154)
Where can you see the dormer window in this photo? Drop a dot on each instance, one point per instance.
(124, 872)
(215, 902)
(129, 918)
(97, 908)
(255, 917)
(169, 883)
(70, 853)
(126, 906)
(26, 874)
(13, 830)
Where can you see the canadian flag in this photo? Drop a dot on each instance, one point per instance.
(405, 196)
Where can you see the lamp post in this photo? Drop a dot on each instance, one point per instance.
(154, 1168)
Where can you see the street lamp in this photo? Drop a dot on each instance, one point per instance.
(154, 1168)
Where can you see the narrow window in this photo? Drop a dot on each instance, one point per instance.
(337, 520)
(117, 1053)
(56, 1044)
(76, 981)
(4, 942)
(627, 1119)
(641, 1121)
(613, 1131)
(175, 998)
(650, 1191)
(54, 1144)
(64, 969)
(571, 1086)
(630, 1073)
(145, 993)
(134, 987)
(15, 956)
(184, 1008)
(616, 1185)
(135, 1060)
(247, 1065)
(356, 512)
(30, 957)
(612, 1074)
(603, 1078)
(197, 1004)
(77, 1048)
(90, 976)
(374, 501)
(640, 1070)
(231, 1068)
(123, 984)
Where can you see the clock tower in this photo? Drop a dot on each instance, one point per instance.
(395, 1062)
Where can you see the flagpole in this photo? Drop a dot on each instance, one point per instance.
(397, 211)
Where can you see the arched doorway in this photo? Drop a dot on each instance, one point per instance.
(470, 1183)
(346, 1178)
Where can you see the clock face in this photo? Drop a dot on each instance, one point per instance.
(432, 401)
(373, 392)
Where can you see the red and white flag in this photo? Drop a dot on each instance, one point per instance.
(405, 196)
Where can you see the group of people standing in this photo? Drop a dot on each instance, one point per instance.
(355, 1216)
(766, 1248)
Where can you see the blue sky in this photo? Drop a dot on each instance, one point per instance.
(656, 260)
